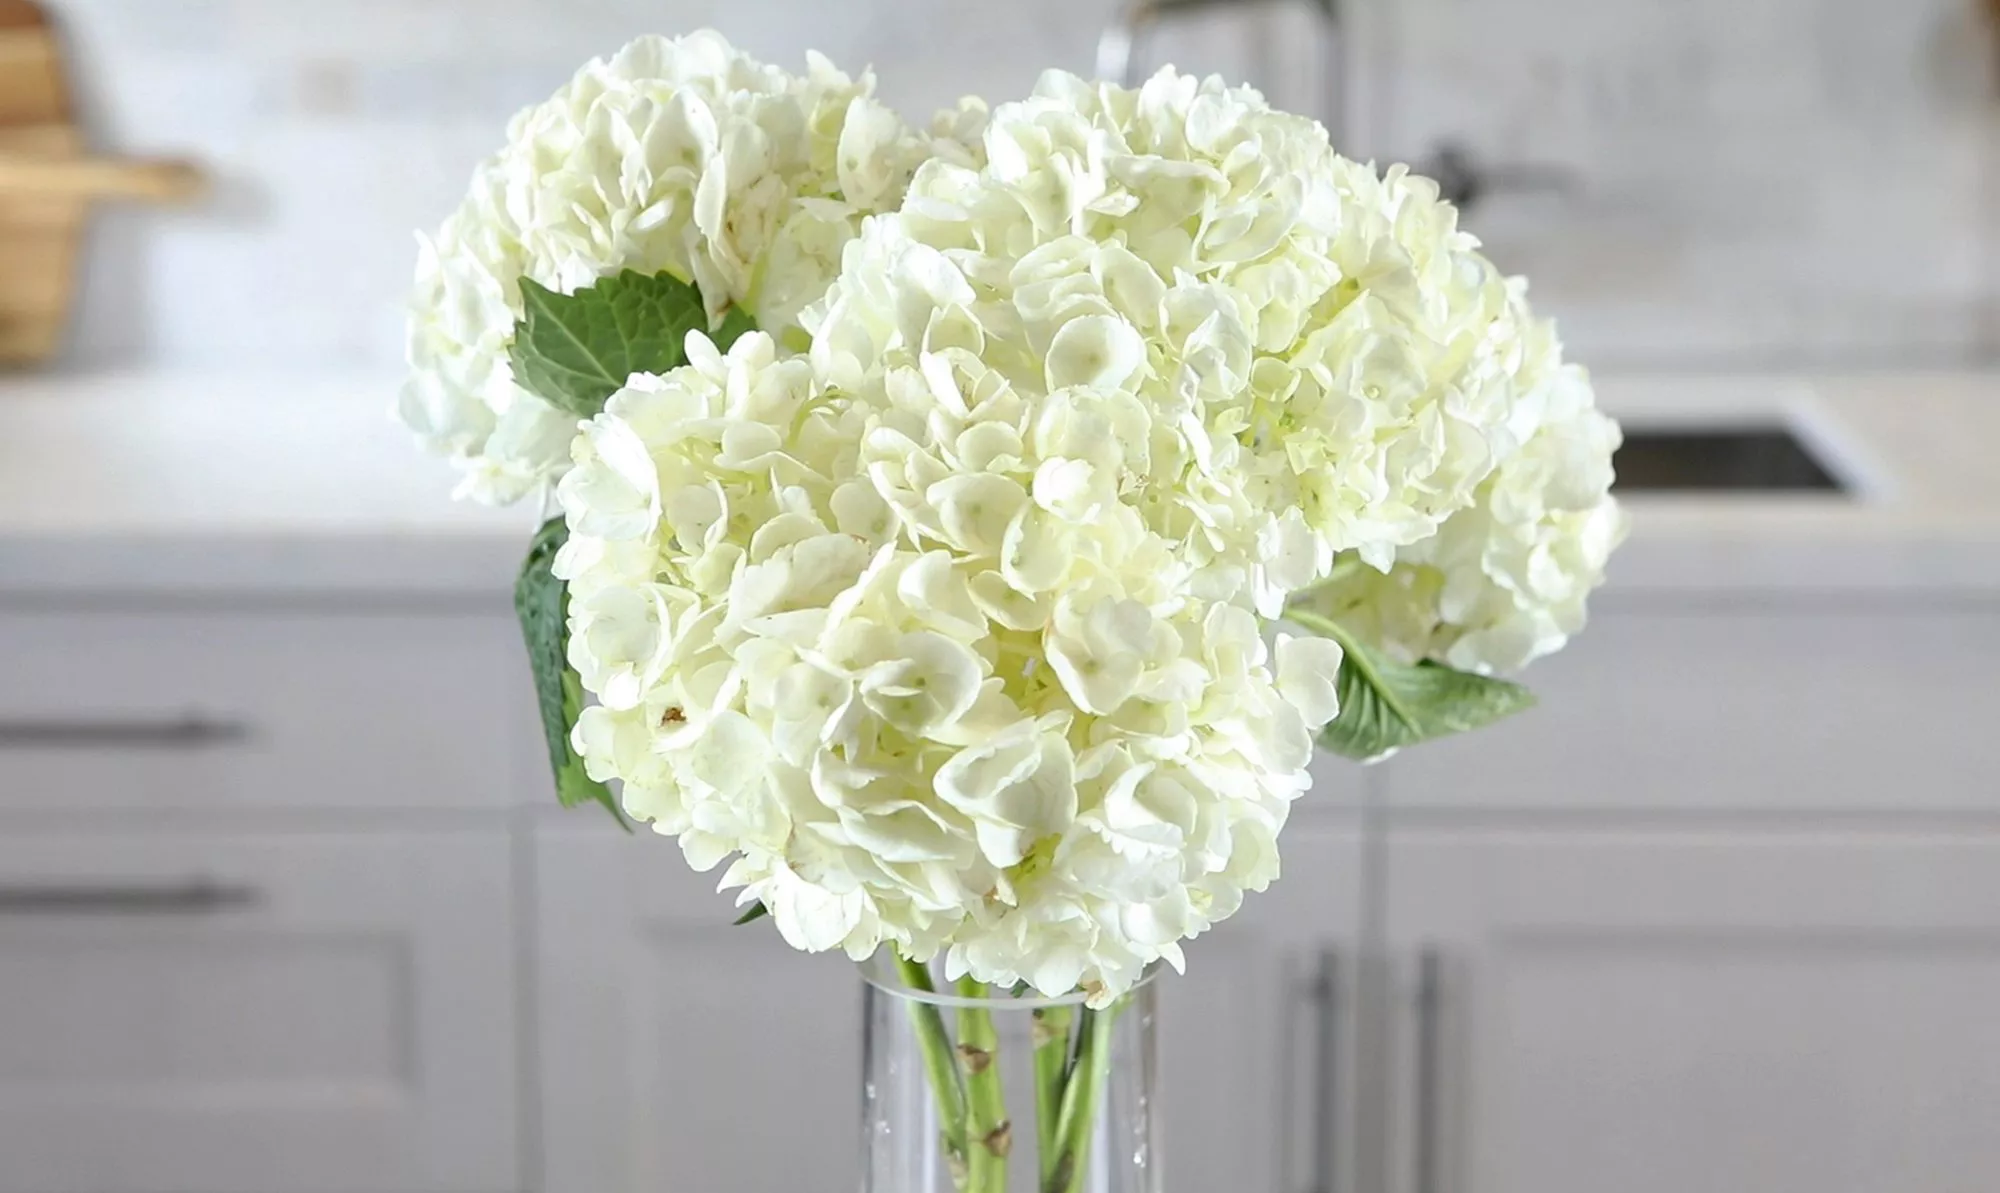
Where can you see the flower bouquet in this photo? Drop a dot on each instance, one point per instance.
(966, 532)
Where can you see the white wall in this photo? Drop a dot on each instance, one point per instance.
(1760, 180)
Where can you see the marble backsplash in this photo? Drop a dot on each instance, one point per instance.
(1718, 183)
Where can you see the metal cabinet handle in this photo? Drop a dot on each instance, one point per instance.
(190, 732)
(1325, 992)
(196, 896)
(1429, 1002)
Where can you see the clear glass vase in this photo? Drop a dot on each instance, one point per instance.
(971, 1090)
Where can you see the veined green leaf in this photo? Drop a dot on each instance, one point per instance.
(576, 350)
(542, 602)
(1385, 706)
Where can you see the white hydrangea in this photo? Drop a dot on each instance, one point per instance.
(948, 631)
(932, 681)
(1505, 582)
(679, 155)
(1337, 361)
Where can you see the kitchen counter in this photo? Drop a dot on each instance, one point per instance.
(1916, 452)
(188, 483)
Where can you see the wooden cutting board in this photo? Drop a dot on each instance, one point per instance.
(47, 185)
(1993, 32)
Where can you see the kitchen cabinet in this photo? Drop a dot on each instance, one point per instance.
(1257, 1038)
(282, 908)
(257, 1013)
(680, 1054)
(1663, 1012)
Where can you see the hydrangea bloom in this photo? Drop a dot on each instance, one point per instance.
(1336, 358)
(1505, 582)
(683, 156)
(948, 631)
(932, 693)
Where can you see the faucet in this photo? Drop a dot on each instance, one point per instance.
(1120, 51)
(1463, 180)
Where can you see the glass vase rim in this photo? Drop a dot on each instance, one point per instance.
(879, 974)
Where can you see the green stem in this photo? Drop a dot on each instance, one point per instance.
(989, 1134)
(1052, 1048)
(1355, 656)
(935, 1044)
(1077, 1120)
(1326, 627)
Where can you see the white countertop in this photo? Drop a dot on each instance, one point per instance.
(227, 483)
(1919, 452)
(194, 483)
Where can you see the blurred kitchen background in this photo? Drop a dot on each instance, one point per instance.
(283, 906)
(1691, 183)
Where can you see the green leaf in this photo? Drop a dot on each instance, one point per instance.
(542, 602)
(757, 912)
(576, 350)
(1385, 706)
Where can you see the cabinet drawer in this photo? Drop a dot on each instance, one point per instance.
(1766, 709)
(256, 1014)
(219, 708)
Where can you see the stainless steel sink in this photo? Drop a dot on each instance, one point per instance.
(1730, 459)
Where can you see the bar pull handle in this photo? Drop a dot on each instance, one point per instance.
(195, 896)
(1429, 1041)
(1325, 990)
(191, 731)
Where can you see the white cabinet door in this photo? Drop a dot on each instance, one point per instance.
(257, 1014)
(1782, 708)
(681, 1054)
(1728, 1014)
(1257, 1051)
